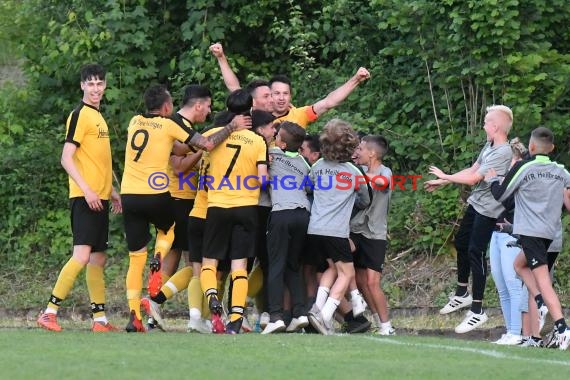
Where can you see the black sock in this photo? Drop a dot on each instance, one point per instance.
(560, 325)
(477, 307)
(160, 298)
(461, 290)
(536, 338)
(348, 316)
(539, 300)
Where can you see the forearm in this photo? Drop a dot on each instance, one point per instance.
(73, 172)
(230, 79)
(210, 142)
(334, 98)
(185, 163)
(464, 177)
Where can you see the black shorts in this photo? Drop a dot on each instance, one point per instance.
(230, 232)
(195, 236)
(331, 247)
(89, 227)
(140, 210)
(535, 250)
(182, 208)
(370, 253)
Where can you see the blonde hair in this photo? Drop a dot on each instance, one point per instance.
(338, 141)
(505, 111)
(518, 148)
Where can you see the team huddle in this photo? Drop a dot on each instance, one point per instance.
(310, 255)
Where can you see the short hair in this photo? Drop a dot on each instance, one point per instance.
(293, 135)
(223, 118)
(543, 139)
(280, 78)
(239, 102)
(261, 118)
(507, 112)
(194, 93)
(338, 141)
(155, 96)
(313, 143)
(518, 148)
(92, 71)
(254, 84)
(378, 144)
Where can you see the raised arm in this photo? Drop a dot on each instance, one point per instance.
(336, 97)
(230, 79)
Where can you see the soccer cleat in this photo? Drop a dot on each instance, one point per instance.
(135, 324)
(564, 340)
(358, 305)
(358, 325)
(471, 322)
(103, 327)
(152, 309)
(216, 311)
(388, 331)
(529, 341)
(154, 276)
(509, 339)
(456, 303)
(233, 327)
(48, 321)
(274, 327)
(199, 325)
(264, 319)
(245, 326)
(297, 324)
(542, 313)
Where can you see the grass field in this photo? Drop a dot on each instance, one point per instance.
(79, 354)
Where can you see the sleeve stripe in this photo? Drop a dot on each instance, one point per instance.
(73, 124)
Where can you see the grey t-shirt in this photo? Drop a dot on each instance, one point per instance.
(499, 158)
(335, 194)
(288, 172)
(372, 222)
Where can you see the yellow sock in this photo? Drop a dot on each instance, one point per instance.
(164, 242)
(179, 281)
(205, 307)
(95, 279)
(239, 293)
(254, 281)
(64, 282)
(137, 261)
(195, 295)
(208, 280)
(164, 277)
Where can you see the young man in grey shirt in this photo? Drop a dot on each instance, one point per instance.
(474, 234)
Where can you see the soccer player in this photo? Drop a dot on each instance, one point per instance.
(472, 238)
(86, 158)
(145, 198)
(538, 185)
(231, 222)
(368, 229)
(336, 191)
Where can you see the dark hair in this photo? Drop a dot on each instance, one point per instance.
(338, 141)
(223, 118)
(543, 135)
(313, 143)
(293, 135)
(239, 102)
(92, 71)
(155, 96)
(261, 118)
(379, 144)
(254, 84)
(193, 93)
(280, 78)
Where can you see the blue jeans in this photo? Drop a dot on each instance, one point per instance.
(508, 285)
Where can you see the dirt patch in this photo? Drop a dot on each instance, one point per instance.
(11, 74)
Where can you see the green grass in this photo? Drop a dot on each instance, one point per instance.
(33, 353)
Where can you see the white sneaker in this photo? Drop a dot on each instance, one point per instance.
(564, 340)
(153, 309)
(471, 322)
(528, 342)
(509, 340)
(316, 319)
(358, 305)
(542, 313)
(200, 325)
(297, 324)
(387, 331)
(245, 326)
(264, 319)
(456, 303)
(274, 327)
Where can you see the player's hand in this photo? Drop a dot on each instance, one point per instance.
(362, 74)
(491, 173)
(116, 204)
(217, 50)
(93, 200)
(433, 184)
(437, 172)
(240, 122)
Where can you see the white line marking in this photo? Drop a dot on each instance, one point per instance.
(492, 353)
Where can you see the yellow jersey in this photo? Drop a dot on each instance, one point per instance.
(302, 116)
(178, 186)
